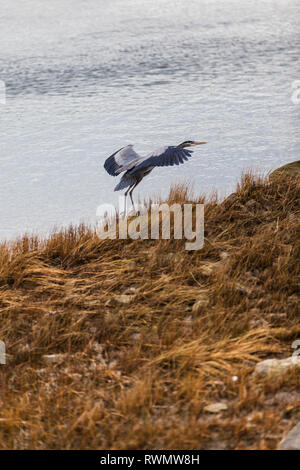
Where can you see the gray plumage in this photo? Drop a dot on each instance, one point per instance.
(135, 168)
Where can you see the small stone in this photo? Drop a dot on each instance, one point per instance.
(276, 367)
(216, 407)
(54, 358)
(123, 298)
(292, 440)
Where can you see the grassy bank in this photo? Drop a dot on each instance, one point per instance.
(122, 343)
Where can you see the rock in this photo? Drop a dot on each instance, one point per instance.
(215, 407)
(123, 298)
(276, 367)
(292, 169)
(209, 269)
(283, 398)
(54, 358)
(200, 304)
(292, 440)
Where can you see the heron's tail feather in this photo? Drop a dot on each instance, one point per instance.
(125, 182)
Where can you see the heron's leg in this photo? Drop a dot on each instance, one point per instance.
(125, 194)
(125, 205)
(131, 191)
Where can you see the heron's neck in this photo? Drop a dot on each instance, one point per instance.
(181, 146)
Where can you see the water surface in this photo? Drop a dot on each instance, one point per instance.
(85, 77)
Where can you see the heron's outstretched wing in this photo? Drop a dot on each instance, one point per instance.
(121, 158)
(164, 156)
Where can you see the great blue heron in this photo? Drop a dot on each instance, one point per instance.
(136, 167)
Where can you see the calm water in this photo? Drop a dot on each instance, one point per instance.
(85, 77)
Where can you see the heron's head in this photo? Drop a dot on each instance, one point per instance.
(190, 143)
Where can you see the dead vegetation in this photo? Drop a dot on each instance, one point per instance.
(121, 344)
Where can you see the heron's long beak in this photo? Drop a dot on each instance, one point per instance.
(199, 143)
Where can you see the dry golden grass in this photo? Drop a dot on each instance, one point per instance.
(138, 375)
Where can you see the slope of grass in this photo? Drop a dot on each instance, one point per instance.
(137, 371)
